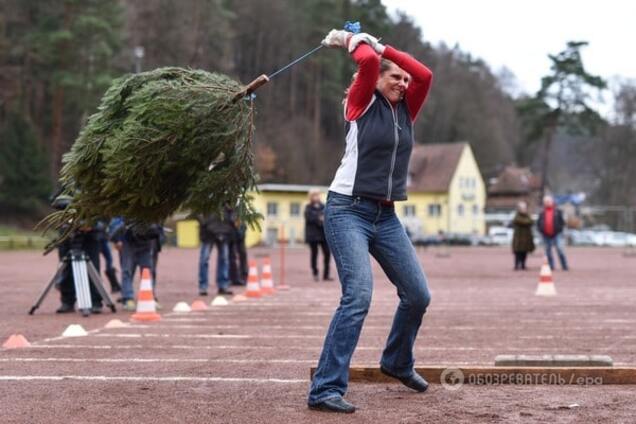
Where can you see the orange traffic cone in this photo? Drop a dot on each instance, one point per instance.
(199, 305)
(16, 341)
(253, 288)
(267, 284)
(546, 285)
(146, 308)
(239, 298)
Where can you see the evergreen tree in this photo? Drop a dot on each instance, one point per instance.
(69, 49)
(562, 104)
(24, 184)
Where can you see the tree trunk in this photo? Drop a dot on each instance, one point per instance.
(550, 132)
(292, 93)
(546, 161)
(196, 46)
(57, 115)
(316, 106)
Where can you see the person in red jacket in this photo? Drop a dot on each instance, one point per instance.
(551, 224)
(380, 108)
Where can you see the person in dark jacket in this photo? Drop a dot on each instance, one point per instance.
(104, 248)
(157, 245)
(135, 244)
(551, 224)
(238, 254)
(215, 230)
(315, 234)
(522, 240)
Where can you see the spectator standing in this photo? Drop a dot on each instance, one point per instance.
(522, 240)
(551, 224)
(215, 231)
(315, 235)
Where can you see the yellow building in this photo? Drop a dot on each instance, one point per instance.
(283, 206)
(446, 193)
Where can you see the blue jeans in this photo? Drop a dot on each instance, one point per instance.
(133, 256)
(104, 248)
(556, 241)
(222, 265)
(355, 227)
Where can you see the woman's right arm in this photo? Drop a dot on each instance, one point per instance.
(361, 90)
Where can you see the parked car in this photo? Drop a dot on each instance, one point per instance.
(434, 240)
(455, 239)
(600, 238)
(581, 238)
(618, 239)
(500, 235)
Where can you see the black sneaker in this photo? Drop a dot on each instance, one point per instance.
(203, 292)
(96, 309)
(414, 381)
(65, 308)
(334, 405)
(226, 292)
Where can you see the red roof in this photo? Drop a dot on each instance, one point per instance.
(432, 166)
(514, 180)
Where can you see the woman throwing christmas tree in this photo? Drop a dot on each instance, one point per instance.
(380, 108)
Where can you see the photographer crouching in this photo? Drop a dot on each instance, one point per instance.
(84, 241)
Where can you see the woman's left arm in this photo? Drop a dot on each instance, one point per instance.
(420, 74)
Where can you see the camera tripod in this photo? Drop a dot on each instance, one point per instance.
(84, 274)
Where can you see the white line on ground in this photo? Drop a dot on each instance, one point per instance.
(184, 319)
(281, 314)
(54, 339)
(252, 347)
(261, 326)
(147, 379)
(151, 360)
(587, 336)
(199, 360)
(235, 326)
(366, 327)
(214, 336)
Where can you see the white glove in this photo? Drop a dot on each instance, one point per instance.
(363, 37)
(336, 38)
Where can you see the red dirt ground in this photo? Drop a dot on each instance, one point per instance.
(249, 362)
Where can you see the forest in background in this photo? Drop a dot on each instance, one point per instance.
(57, 57)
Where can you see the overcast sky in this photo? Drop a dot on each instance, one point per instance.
(520, 34)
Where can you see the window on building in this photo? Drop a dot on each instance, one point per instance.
(272, 209)
(294, 209)
(475, 210)
(460, 209)
(409, 210)
(434, 209)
